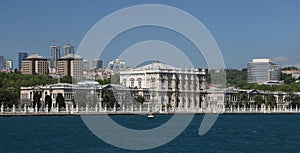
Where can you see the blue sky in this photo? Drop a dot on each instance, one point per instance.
(243, 29)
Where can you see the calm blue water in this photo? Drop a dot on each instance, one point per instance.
(231, 133)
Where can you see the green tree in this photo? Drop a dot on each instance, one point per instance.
(290, 68)
(293, 100)
(105, 81)
(109, 99)
(271, 100)
(48, 101)
(140, 99)
(73, 102)
(60, 101)
(80, 99)
(258, 100)
(242, 99)
(66, 79)
(36, 100)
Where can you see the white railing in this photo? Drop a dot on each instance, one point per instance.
(138, 109)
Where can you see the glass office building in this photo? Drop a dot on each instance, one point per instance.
(22, 56)
(263, 71)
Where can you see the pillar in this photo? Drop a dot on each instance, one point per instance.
(14, 108)
(96, 108)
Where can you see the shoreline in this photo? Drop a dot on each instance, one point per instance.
(138, 113)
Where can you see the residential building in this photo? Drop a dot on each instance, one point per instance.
(21, 57)
(263, 71)
(9, 64)
(117, 64)
(54, 55)
(295, 73)
(2, 63)
(35, 64)
(68, 49)
(70, 65)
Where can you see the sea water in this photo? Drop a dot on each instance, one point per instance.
(231, 133)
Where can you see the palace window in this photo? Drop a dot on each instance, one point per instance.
(139, 83)
(132, 82)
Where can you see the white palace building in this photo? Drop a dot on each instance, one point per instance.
(164, 85)
(164, 88)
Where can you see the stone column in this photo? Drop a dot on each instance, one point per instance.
(197, 101)
(2, 108)
(14, 108)
(47, 108)
(181, 101)
(77, 109)
(192, 101)
(72, 108)
(186, 102)
(197, 83)
(186, 82)
(25, 108)
(173, 82)
(36, 109)
(141, 107)
(87, 108)
(96, 108)
(67, 108)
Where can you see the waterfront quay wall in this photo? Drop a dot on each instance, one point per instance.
(139, 110)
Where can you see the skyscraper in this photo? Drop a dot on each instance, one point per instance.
(68, 49)
(263, 71)
(22, 56)
(97, 63)
(54, 55)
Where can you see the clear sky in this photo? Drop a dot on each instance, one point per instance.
(243, 29)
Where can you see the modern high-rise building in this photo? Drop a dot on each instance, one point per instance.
(117, 64)
(22, 56)
(54, 55)
(35, 64)
(70, 65)
(68, 49)
(9, 64)
(97, 63)
(263, 71)
(86, 65)
(2, 62)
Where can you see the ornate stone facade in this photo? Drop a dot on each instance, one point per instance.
(165, 85)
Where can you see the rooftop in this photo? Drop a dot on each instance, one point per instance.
(157, 66)
(35, 56)
(71, 56)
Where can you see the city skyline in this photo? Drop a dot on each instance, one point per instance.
(243, 30)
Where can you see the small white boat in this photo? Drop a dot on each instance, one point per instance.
(150, 116)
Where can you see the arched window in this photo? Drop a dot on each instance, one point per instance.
(139, 83)
(124, 82)
(132, 82)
